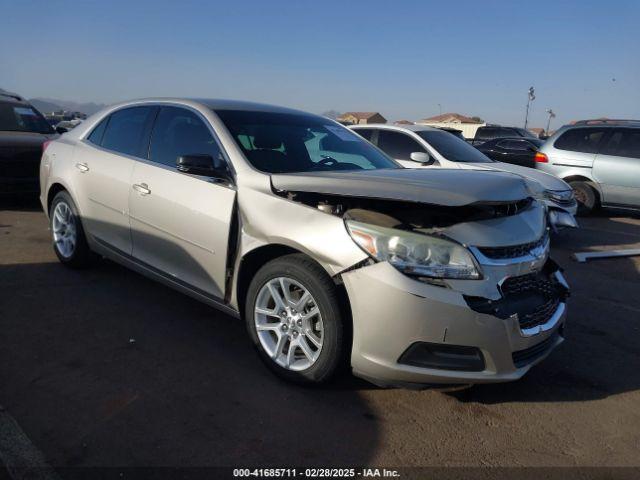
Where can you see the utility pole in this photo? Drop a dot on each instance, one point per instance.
(532, 97)
(551, 115)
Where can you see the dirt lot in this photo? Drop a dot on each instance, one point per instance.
(104, 367)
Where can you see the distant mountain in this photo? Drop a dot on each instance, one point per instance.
(46, 105)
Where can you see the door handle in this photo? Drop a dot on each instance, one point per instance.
(142, 188)
(83, 167)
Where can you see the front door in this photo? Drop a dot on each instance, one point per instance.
(179, 222)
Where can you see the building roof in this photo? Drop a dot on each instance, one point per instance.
(402, 122)
(450, 118)
(360, 115)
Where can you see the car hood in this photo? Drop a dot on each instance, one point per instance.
(548, 181)
(438, 187)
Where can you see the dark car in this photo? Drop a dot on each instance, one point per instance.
(515, 150)
(23, 131)
(489, 132)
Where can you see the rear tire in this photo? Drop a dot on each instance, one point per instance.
(586, 196)
(67, 234)
(294, 342)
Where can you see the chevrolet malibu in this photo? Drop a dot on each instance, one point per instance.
(331, 252)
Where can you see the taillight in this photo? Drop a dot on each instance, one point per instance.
(45, 145)
(541, 158)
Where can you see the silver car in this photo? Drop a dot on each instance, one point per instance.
(328, 250)
(599, 159)
(421, 146)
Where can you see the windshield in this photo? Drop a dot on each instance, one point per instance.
(525, 133)
(453, 148)
(22, 118)
(289, 142)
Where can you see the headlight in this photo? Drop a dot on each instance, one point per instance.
(559, 196)
(413, 253)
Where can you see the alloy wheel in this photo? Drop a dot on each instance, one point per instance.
(288, 323)
(63, 225)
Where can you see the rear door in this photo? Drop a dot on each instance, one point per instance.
(180, 222)
(617, 167)
(103, 167)
(577, 147)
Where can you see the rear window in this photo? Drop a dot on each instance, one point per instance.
(128, 131)
(98, 132)
(623, 143)
(583, 140)
(22, 118)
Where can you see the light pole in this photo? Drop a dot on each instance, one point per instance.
(551, 115)
(532, 97)
(440, 108)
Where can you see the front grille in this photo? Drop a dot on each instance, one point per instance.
(540, 315)
(513, 251)
(538, 295)
(532, 282)
(534, 298)
(531, 354)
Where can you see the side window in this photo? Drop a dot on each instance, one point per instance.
(178, 131)
(98, 132)
(583, 140)
(623, 143)
(127, 131)
(365, 133)
(514, 144)
(398, 145)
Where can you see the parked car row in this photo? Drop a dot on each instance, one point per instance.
(419, 146)
(332, 252)
(600, 160)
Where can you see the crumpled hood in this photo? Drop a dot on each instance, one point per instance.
(546, 180)
(438, 187)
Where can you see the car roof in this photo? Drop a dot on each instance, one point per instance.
(214, 104)
(411, 128)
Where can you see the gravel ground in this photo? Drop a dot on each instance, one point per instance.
(106, 368)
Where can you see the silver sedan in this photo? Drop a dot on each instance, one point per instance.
(329, 251)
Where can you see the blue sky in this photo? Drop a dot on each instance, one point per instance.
(401, 58)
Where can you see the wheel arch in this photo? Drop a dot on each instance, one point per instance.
(252, 261)
(54, 189)
(583, 178)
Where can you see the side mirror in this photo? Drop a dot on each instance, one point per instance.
(61, 130)
(421, 157)
(202, 165)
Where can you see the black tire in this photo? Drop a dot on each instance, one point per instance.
(81, 256)
(586, 197)
(309, 274)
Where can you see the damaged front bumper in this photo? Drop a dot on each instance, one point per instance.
(408, 331)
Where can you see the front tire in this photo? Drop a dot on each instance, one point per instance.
(67, 234)
(294, 319)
